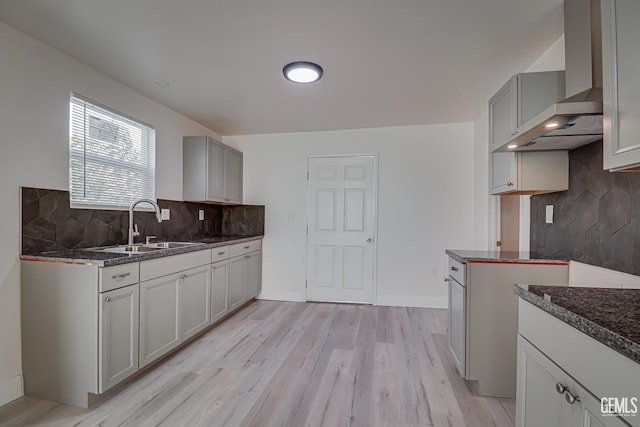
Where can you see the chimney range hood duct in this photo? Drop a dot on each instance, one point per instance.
(579, 116)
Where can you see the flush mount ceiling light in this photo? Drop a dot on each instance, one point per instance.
(302, 72)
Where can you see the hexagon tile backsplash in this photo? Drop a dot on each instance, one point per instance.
(597, 221)
(49, 224)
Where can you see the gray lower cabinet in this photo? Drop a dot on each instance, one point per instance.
(237, 267)
(159, 317)
(195, 296)
(219, 290)
(245, 272)
(548, 396)
(118, 335)
(87, 328)
(253, 274)
(563, 374)
(621, 87)
(173, 308)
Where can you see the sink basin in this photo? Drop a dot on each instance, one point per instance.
(169, 245)
(125, 249)
(146, 247)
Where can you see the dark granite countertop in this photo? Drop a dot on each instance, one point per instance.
(611, 316)
(106, 259)
(465, 256)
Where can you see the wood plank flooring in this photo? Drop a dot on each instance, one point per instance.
(294, 364)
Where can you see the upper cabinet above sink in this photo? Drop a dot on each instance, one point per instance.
(212, 171)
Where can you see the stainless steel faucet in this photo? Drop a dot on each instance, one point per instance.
(133, 233)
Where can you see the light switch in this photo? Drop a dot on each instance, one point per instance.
(201, 214)
(166, 214)
(549, 214)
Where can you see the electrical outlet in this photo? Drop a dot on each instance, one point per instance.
(201, 214)
(166, 214)
(549, 214)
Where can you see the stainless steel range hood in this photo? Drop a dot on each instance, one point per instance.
(577, 120)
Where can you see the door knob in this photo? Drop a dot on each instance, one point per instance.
(369, 240)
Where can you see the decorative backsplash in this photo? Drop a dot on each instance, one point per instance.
(597, 221)
(49, 224)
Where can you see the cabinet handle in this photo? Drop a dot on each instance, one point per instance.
(247, 247)
(560, 388)
(446, 279)
(570, 398)
(247, 256)
(454, 268)
(221, 253)
(509, 184)
(120, 276)
(107, 299)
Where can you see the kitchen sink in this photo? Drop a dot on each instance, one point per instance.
(169, 245)
(144, 247)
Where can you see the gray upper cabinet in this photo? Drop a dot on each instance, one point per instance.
(621, 86)
(523, 97)
(211, 171)
(532, 172)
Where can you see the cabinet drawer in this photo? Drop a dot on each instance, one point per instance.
(245, 248)
(219, 254)
(172, 264)
(456, 270)
(118, 276)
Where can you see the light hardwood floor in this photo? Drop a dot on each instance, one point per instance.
(294, 364)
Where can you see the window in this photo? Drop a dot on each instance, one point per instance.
(111, 157)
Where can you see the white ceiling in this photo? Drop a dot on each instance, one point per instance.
(386, 62)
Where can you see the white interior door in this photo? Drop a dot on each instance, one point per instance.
(341, 224)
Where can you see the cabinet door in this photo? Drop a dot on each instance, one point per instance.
(118, 335)
(621, 86)
(590, 413)
(159, 317)
(537, 401)
(253, 275)
(503, 114)
(219, 290)
(502, 173)
(236, 281)
(195, 298)
(457, 322)
(233, 175)
(215, 170)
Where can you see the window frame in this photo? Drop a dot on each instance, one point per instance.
(146, 167)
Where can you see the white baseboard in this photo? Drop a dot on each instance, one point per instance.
(400, 301)
(11, 390)
(281, 296)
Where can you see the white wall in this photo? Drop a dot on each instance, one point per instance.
(425, 204)
(35, 82)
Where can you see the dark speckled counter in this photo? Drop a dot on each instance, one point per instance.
(611, 316)
(465, 256)
(106, 259)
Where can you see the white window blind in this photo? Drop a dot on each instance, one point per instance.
(111, 157)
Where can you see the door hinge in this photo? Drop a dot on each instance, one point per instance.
(305, 284)
(307, 175)
(307, 229)
(498, 243)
